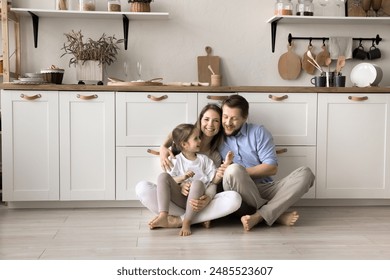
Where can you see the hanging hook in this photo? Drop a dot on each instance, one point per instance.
(310, 39)
(323, 42)
(289, 39)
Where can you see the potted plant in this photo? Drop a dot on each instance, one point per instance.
(92, 56)
(140, 5)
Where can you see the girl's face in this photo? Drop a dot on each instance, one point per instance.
(192, 145)
(210, 123)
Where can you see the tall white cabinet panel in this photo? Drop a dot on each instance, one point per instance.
(87, 154)
(291, 118)
(134, 164)
(293, 157)
(145, 119)
(353, 142)
(30, 145)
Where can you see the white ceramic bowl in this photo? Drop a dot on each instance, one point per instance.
(366, 74)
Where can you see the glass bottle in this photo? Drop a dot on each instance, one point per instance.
(305, 8)
(61, 4)
(87, 5)
(283, 8)
(114, 5)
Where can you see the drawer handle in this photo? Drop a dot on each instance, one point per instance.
(281, 151)
(154, 98)
(220, 98)
(33, 97)
(87, 97)
(357, 98)
(153, 152)
(277, 98)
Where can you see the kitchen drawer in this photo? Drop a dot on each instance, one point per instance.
(211, 97)
(145, 119)
(134, 164)
(290, 117)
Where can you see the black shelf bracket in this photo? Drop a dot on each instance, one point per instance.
(274, 26)
(125, 30)
(35, 20)
(375, 40)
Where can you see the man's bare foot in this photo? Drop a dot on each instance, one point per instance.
(229, 158)
(249, 221)
(165, 222)
(185, 229)
(206, 224)
(288, 218)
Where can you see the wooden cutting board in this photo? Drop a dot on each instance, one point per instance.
(289, 65)
(306, 65)
(204, 74)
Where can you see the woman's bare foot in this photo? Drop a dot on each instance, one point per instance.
(165, 221)
(229, 158)
(186, 228)
(206, 224)
(249, 221)
(288, 218)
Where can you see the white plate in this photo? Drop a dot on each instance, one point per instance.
(366, 74)
(36, 80)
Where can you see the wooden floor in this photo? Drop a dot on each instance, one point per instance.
(322, 233)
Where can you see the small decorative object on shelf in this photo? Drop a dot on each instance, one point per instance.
(114, 5)
(305, 8)
(87, 5)
(104, 51)
(61, 4)
(142, 6)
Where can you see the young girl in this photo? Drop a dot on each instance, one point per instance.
(192, 176)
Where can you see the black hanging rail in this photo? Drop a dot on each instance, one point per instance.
(377, 39)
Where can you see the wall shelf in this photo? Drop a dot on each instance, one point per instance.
(275, 20)
(124, 16)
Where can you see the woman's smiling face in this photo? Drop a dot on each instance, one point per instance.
(210, 123)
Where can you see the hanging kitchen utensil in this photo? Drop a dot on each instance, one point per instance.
(340, 64)
(306, 65)
(322, 56)
(289, 65)
(204, 74)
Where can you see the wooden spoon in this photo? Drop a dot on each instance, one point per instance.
(340, 64)
(328, 61)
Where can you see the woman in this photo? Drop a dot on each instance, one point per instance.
(223, 203)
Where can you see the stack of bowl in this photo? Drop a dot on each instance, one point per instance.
(53, 75)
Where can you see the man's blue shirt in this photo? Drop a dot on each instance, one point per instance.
(252, 145)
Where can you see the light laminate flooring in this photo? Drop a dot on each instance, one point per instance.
(322, 233)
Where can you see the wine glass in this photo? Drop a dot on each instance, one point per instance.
(376, 5)
(323, 4)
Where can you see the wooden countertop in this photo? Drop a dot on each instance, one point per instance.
(274, 89)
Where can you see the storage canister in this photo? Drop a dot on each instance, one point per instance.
(283, 8)
(305, 8)
(87, 5)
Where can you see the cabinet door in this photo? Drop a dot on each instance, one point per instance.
(87, 131)
(353, 142)
(145, 119)
(291, 118)
(30, 145)
(134, 165)
(293, 157)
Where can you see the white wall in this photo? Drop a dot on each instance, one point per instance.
(237, 31)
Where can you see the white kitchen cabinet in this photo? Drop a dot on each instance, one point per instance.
(291, 118)
(353, 142)
(293, 157)
(212, 97)
(87, 149)
(134, 164)
(30, 145)
(145, 119)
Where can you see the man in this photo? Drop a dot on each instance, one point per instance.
(254, 162)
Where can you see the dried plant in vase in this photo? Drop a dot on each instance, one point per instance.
(140, 5)
(92, 54)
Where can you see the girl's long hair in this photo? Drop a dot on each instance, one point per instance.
(180, 134)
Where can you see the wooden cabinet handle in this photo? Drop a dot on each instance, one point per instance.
(215, 97)
(277, 98)
(281, 151)
(154, 98)
(87, 97)
(153, 152)
(33, 97)
(357, 98)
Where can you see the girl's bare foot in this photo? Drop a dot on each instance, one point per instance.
(288, 218)
(206, 224)
(185, 229)
(164, 221)
(249, 221)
